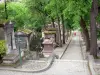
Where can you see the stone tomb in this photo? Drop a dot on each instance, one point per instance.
(12, 54)
(51, 32)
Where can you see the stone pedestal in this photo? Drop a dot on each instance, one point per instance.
(48, 47)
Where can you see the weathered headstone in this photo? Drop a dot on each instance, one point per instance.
(23, 40)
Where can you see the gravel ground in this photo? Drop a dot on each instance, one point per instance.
(34, 65)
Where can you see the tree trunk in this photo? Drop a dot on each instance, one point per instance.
(85, 34)
(70, 32)
(62, 17)
(93, 29)
(60, 44)
(93, 47)
(67, 34)
(6, 10)
(53, 22)
(53, 26)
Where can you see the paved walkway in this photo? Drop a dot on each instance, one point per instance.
(71, 64)
(60, 50)
(74, 50)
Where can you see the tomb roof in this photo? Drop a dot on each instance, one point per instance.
(25, 31)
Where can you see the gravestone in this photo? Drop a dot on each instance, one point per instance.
(23, 40)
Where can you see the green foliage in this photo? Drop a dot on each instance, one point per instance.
(2, 12)
(72, 10)
(55, 8)
(98, 34)
(34, 14)
(98, 18)
(51, 9)
(18, 13)
(75, 9)
(38, 13)
(2, 48)
(35, 44)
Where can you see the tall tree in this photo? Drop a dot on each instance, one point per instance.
(61, 8)
(37, 7)
(53, 11)
(79, 15)
(93, 29)
(85, 31)
(6, 9)
(58, 19)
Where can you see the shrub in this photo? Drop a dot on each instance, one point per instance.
(2, 48)
(35, 44)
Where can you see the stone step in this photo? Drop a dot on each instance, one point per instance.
(10, 58)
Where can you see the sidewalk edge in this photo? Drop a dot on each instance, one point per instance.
(90, 61)
(68, 42)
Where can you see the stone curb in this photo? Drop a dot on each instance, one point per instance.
(90, 60)
(50, 61)
(68, 42)
(81, 47)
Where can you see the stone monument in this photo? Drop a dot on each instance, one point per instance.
(48, 47)
(12, 54)
(24, 40)
(9, 37)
